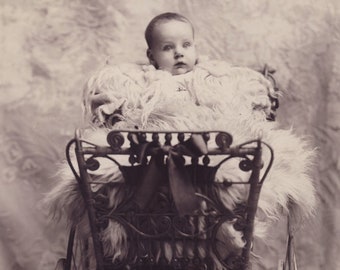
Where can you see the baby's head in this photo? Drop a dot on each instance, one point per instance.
(171, 44)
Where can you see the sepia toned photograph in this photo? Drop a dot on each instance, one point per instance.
(169, 135)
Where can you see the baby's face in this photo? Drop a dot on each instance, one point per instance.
(173, 48)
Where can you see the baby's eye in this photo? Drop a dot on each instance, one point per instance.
(186, 44)
(167, 48)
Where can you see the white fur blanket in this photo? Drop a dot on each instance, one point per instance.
(214, 96)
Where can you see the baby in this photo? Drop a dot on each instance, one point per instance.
(171, 48)
(171, 44)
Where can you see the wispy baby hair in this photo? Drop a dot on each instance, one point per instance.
(168, 16)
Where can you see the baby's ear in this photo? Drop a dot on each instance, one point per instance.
(150, 57)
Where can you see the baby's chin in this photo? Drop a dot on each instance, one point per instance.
(180, 70)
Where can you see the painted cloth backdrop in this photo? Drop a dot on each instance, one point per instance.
(49, 49)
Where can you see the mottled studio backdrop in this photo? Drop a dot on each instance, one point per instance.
(48, 48)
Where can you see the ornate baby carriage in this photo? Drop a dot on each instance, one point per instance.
(169, 214)
(164, 211)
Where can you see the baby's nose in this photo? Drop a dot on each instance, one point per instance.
(178, 53)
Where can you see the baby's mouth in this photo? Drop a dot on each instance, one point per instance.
(180, 64)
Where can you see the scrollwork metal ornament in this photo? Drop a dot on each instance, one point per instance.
(92, 164)
(223, 140)
(246, 165)
(115, 139)
(159, 226)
